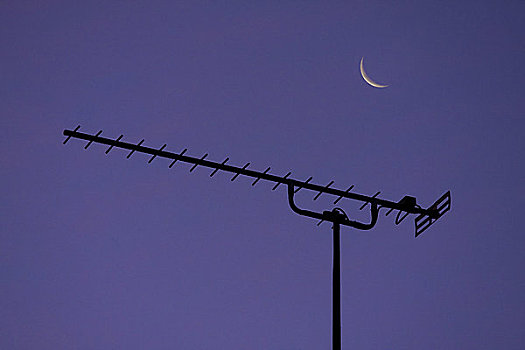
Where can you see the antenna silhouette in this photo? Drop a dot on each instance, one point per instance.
(407, 205)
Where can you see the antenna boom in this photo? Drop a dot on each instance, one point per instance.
(402, 206)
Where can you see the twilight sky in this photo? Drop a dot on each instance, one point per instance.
(101, 252)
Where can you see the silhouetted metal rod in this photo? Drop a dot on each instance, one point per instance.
(247, 172)
(336, 288)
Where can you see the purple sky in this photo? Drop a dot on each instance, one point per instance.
(101, 252)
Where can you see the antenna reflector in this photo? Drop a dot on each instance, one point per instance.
(194, 166)
(304, 183)
(155, 156)
(67, 138)
(91, 141)
(111, 147)
(180, 154)
(398, 220)
(284, 177)
(256, 180)
(348, 190)
(235, 176)
(133, 151)
(366, 203)
(217, 169)
(439, 208)
(321, 192)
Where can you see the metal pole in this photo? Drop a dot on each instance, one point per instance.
(336, 290)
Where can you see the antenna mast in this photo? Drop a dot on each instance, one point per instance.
(407, 205)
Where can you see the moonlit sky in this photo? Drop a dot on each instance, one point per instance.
(102, 252)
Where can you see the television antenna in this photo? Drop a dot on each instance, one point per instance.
(407, 205)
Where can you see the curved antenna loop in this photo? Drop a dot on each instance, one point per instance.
(336, 215)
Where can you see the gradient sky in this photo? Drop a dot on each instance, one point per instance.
(101, 252)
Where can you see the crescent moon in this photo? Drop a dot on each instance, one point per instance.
(367, 78)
